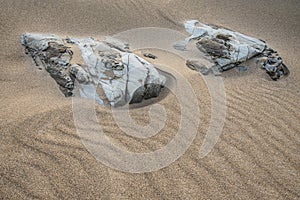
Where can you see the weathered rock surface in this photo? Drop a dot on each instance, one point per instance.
(49, 51)
(229, 49)
(111, 72)
(121, 75)
(273, 64)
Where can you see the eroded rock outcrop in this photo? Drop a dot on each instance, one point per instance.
(119, 75)
(49, 51)
(229, 49)
(110, 74)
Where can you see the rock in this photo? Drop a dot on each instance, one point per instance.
(197, 66)
(149, 55)
(273, 64)
(216, 70)
(138, 95)
(215, 48)
(116, 75)
(80, 74)
(50, 51)
(69, 41)
(229, 49)
(122, 76)
(152, 90)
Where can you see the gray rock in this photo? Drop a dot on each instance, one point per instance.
(123, 76)
(273, 64)
(80, 74)
(149, 55)
(152, 90)
(116, 75)
(229, 49)
(197, 66)
(49, 51)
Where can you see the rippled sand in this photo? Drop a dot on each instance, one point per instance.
(256, 157)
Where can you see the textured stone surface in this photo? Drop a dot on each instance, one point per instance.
(273, 64)
(110, 74)
(228, 49)
(121, 75)
(49, 51)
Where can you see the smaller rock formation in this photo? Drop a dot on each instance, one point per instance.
(273, 64)
(228, 49)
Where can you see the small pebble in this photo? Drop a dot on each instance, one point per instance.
(149, 55)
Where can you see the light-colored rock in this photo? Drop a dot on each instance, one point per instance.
(39, 42)
(224, 46)
(228, 49)
(114, 74)
(122, 76)
(49, 51)
(80, 74)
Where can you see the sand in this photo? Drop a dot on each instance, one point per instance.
(256, 157)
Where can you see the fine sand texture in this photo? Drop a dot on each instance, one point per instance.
(256, 157)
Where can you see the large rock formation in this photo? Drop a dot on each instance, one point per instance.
(119, 75)
(228, 49)
(111, 74)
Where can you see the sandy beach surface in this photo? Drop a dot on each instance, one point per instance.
(256, 157)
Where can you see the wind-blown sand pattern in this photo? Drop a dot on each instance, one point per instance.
(256, 157)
